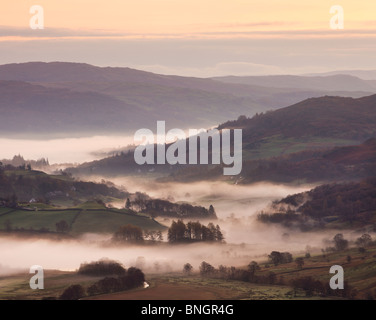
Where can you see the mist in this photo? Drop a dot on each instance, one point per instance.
(67, 150)
(67, 255)
(236, 207)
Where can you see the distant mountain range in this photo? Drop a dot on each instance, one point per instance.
(75, 99)
(338, 82)
(362, 74)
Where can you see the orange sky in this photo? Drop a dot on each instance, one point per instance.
(189, 18)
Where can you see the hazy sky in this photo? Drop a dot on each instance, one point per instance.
(195, 37)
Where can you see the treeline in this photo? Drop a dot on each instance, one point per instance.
(180, 232)
(23, 184)
(122, 279)
(156, 207)
(18, 161)
(351, 203)
(134, 234)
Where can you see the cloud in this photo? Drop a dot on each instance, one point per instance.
(231, 31)
(23, 32)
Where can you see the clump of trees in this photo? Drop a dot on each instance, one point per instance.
(117, 278)
(364, 241)
(158, 207)
(134, 234)
(132, 278)
(277, 257)
(339, 243)
(233, 273)
(101, 268)
(153, 235)
(194, 232)
(128, 233)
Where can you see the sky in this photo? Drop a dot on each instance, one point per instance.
(194, 38)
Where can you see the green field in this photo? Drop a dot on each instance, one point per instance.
(55, 282)
(83, 219)
(36, 220)
(101, 221)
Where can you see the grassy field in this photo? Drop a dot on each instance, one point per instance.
(89, 217)
(162, 287)
(175, 287)
(101, 221)
(17, 287)
(37, 219)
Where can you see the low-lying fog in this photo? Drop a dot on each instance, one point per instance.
(236, 207)
(67, 150)
(67, 255)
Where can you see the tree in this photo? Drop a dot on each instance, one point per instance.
(340, 242)
(206, 269)
(187, 269)
(211, 211)
(62, 226)
(177, 231)
(196, 228)
(286, 257)
(299, 262)
(275, 257)
(159, 235)
(128, 204)
(364, 241)
(253, 267)
(153, 235)
(218, 234)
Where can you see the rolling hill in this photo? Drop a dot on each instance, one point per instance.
(287, 144)
(76, 99)
(343, 206)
